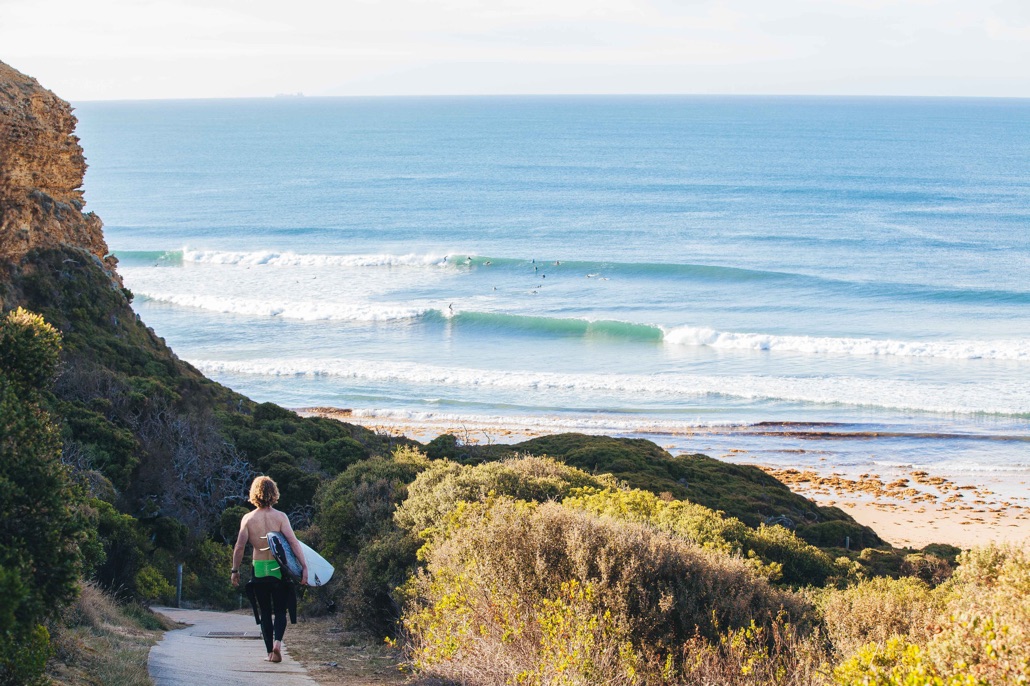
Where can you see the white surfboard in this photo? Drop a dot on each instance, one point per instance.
(319, 571)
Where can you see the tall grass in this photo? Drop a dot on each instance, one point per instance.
(97, 640)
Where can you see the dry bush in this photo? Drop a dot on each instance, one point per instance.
(201, 473)
(988, 616)
(94, 609)
(544, 594)
(777, 654)
(876, 610)
(982, 635)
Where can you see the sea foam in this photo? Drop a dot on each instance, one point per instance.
(301, 310)
(1000, 398)
(292, 259)
(1017, 349)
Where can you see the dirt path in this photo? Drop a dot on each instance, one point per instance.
(219, 648)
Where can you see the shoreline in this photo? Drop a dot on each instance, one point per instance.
(907, 507)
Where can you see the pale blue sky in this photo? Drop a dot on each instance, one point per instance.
(114, 49)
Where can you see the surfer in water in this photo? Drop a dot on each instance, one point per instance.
(270, 589)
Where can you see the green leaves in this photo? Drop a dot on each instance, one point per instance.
(39, 560)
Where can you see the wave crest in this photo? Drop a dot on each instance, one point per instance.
(1018, 350)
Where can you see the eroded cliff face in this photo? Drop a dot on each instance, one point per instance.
(41, 173)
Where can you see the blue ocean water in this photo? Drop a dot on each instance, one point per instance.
(714, 273)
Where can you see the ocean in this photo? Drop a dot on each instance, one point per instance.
(837, 283)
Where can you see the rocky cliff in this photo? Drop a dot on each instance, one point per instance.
(41, 173)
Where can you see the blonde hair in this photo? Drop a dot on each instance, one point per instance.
(264, 492)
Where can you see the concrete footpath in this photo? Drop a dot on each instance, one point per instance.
(219, 648)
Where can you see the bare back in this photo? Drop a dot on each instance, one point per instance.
(258, 524)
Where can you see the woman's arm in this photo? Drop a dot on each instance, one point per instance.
(297, 550)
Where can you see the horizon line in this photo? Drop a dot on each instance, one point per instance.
(299, 95)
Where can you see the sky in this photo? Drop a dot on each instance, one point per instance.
(145, 49)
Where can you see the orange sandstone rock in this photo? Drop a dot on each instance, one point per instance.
(41, 173)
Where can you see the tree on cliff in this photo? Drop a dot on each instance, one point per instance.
(39, 557)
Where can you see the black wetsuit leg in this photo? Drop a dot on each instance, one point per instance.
(279, 606)
(271, 599)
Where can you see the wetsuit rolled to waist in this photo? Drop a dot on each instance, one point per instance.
(263, 568)
(266, 571)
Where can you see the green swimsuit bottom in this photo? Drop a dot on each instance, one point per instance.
(263, 568)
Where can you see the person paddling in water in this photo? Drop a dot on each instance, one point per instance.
(270, 590)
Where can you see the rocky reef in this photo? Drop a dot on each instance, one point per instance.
(41, 173)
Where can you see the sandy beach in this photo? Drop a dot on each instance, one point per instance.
(918, 508)
(906, 508)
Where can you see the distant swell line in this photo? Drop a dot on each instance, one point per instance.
(999, 399)
(691, 272)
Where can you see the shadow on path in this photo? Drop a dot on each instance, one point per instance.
(221, 649)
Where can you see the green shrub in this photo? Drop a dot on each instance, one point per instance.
(359, 504)
(206, 573)
(24, 660)
(439, 489)
(932, 569)
(778, 553)
(877, 562)
(152, 586)
(126, 549)
(339, 453)
(896, 663)
(229, 523)
(801, 564)
(777, 654)
(988, 616)
(354, 521)
(39, 556)
(296, 487)
(270, 412)
(839, 533)
(369, 581)
(741, 491)
(113, 449)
